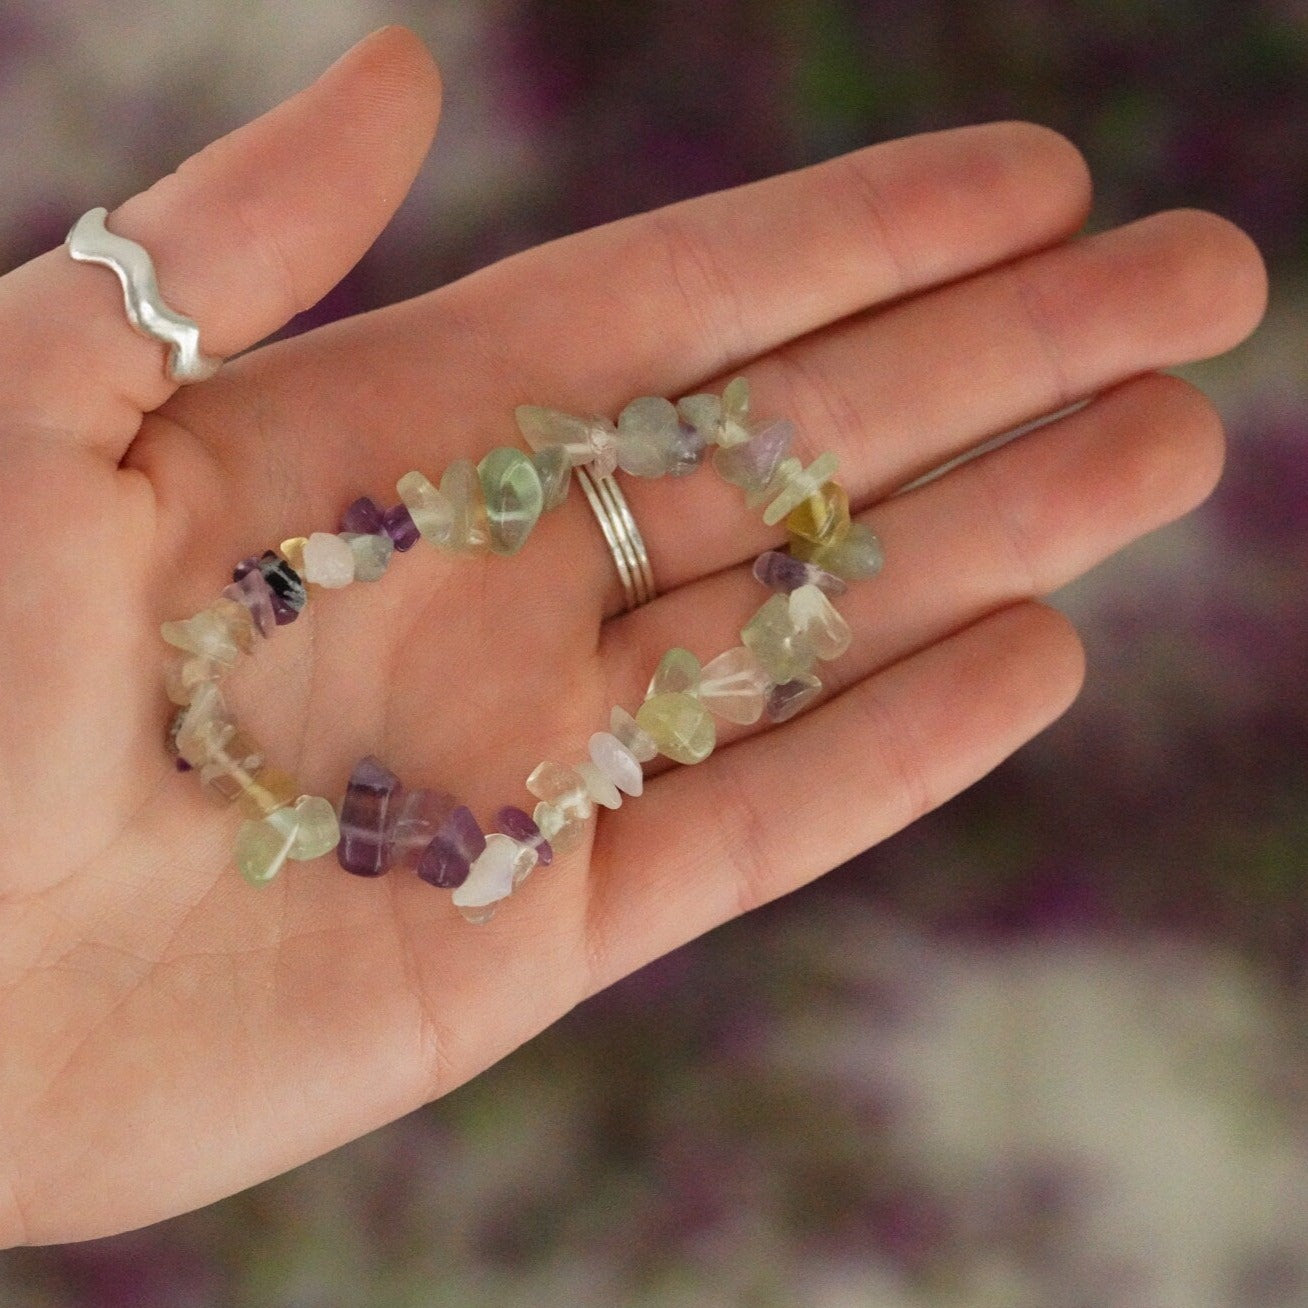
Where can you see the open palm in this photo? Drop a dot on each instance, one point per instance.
(170, 1033)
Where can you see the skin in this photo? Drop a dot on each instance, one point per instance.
(172, 1034)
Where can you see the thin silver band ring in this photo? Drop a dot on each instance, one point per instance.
(622, 536)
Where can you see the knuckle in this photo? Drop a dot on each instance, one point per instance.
(908, 782)
(811, 391)
(706, 293)
(742, 835)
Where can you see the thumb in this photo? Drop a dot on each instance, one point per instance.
(244, 235)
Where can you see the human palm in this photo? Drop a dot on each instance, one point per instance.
(171, 1033)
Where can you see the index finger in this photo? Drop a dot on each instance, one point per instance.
(654, 303)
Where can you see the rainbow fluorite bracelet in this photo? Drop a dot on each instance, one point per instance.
(492, 506)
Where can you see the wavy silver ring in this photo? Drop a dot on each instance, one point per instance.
(91, 242)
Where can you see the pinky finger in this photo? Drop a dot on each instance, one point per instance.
(774, 811)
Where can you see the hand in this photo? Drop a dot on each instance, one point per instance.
(172, 1034)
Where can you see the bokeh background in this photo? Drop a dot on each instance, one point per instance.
(1047, 1047)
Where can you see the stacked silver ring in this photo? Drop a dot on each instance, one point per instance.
(623, 536)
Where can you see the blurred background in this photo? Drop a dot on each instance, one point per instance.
(1047, 1047)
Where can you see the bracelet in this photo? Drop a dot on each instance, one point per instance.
(492, 506)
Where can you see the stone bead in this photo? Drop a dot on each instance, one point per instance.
(512, 821)
(752, 464)
(230, 766)
(253, 591)
(313, 825)
(305, 830)
(678, 671)
(457, 844)
(592, 441)
(262, 848)
(688, 450)
(563, 831)
(183, 677)
(555, 471)
(855, 556)
(679, 725)
(285, 583)
(784, 572)
(617, 762)
(419, 815)
(645, 435)
(822, 517)
(292, 550)
(268, 789)
(202, 728)
(735, 401)
(818, 622)
(514, 497)
(563, 787)
(704, 414)
(430, 509)
(328, 560)
(654, 442)
(363, 517)
(247, 565)
(283, 612)
(735, 686)
(218, 633)
(500, 866)
(398, 524)
(238, 619)
(800, 487)
(641, 456)
(469, 530)
(599, 786)
(721, 421)
(788, 698)
(372, 554)
(367, 818)
(787, 470)
(631, 735)
(776, 641)
(542, 428)
(524, 860)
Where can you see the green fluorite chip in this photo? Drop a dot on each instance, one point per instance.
(514, 497)
(678, 670)
(777, 642)
(680, 726)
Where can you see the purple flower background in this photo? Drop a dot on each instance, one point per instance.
(1047, 1046)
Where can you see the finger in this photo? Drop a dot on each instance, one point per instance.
(245, 234)
(898, 393)
(764, 816)
(655, 302)
(683, 292)
(1014, 524)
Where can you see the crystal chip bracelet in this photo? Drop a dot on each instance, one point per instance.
(492, 506)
